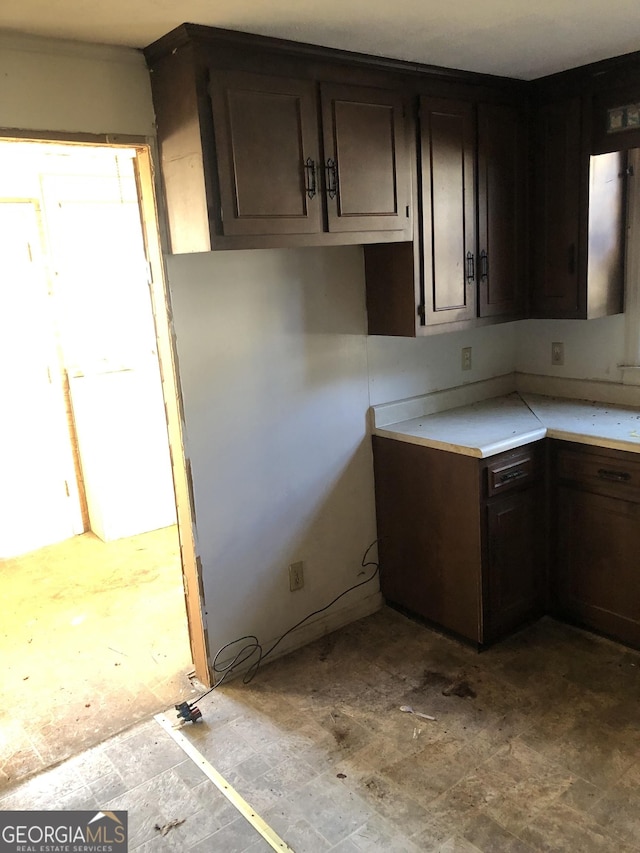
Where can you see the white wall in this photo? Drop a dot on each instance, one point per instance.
(70, 87)
(593, 349)
(277, 376)
(272, 356)
(400, 367)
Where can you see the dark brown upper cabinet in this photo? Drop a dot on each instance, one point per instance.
(266, 133)
(448, 134)
(502, 210)
(558, 186)
(579, 215)
(366, 166)
(272, 179)
(469, 265)
(265, 144)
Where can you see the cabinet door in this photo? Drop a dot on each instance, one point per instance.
(266, 135)
(515, 561)
(366, 170)
(502, 183)
(428, 512)
(449, 211)
(597, 565)
(557, 258)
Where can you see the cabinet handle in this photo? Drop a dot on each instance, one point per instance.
(617, 476)
(512, 475)
(310, 177)
(571, 265)
(471, 272)
(331, 169)
(484, 266)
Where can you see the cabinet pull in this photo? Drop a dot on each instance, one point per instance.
(617, 476)
(571, 266)
(512, 475)
(471, 273)
(310, 177)
(484, 266)
(331, 169)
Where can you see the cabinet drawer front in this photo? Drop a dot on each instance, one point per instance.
(511, 470)
(601, 473)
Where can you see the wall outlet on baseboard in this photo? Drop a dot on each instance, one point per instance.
(296, 576)
(557, 352)
(466, 358)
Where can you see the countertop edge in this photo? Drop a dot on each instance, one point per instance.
(594, 440)
(483, 452)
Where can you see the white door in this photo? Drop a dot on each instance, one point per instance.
(38, 494)
(110, 353)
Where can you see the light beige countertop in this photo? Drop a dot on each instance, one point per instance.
(502, 423)
(600, 424)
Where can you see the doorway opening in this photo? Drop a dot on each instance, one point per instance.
(101, 624)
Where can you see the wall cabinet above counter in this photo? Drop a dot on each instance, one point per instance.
(474, 196)
(579, 212)
(262, 147)
(469, 262)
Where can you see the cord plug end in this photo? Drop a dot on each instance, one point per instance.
(188, 713)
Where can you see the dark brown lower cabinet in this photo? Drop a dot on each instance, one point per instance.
(460, 538)
(515, 577)
(596, 512)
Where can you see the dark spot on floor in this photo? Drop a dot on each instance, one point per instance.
(374, 786)
(341, 736)
(460, 688)
(433, 679)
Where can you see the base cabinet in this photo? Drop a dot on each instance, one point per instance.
(460, 538)
(514, 577)
(463, 541)
(596, 573)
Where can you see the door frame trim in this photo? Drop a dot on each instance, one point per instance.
(155, 238)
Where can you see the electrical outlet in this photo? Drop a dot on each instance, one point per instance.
(466, 358)
(296, 576)
(557, 352)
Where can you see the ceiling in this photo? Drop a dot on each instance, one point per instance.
(510, 37)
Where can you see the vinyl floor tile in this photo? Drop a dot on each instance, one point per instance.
(534, 748)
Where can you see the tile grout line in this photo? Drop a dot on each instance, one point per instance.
(269, 835)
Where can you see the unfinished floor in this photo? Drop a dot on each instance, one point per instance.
(535, 747)
(93, 637)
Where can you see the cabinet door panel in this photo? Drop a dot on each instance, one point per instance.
(501, 210)
(558, 187)
(266, 131)
(448, 194)
(515, 561)
(429, 541)
(364, 136)
(597, 563)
